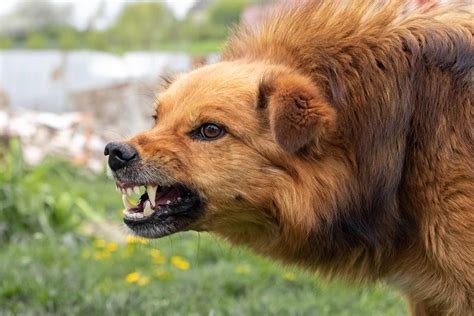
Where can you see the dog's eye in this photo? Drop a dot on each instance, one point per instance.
(209, 131)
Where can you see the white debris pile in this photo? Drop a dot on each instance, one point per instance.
(69, 135)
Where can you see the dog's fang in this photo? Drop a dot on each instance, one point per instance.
(147, 211)
(151, 190)
(126, 202)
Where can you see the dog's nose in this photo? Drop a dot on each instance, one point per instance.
(120, 155)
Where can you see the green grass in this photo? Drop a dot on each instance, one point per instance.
(48, 265)
(79, 276)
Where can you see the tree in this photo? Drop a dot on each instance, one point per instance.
(5, 42)
(142, 25)
(35, 15)
(226, 12)
(68, 39)
(95, 40)
(214, 25)
(36, 41)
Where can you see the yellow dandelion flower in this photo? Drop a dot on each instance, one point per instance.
(111, 247)
(100, 243)
(143, 281)
(289, 276)
(101, 255)
(132, 240)
(133, 277)
(180, 263)
(243, 269)
(157, 257)
(155, 252)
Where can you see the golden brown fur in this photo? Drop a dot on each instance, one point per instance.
(349, 145)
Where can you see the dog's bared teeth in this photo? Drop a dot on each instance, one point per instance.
(147, 210)
(135, 215)
(151, 190)
(136, 190)
(129, 191)
(126, 202)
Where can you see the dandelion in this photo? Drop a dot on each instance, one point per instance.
(111, 247)
(132, 240)
(143, 281)
(157, 257)
(136, 277)
(242, 269)
(100, 243)
(155, 253)
(101, 255)
(180, 263)
(289, 276)
(133, 277)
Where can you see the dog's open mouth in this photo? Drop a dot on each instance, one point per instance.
(159, 210)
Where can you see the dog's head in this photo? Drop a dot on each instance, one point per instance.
(228, 139)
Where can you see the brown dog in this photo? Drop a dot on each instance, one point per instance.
(338, 135)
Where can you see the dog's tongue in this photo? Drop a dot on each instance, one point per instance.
(167, 196)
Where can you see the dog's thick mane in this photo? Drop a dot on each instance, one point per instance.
(394, 74)
(324, 30)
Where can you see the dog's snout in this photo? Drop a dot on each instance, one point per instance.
(120, 155)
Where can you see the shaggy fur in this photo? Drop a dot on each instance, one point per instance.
(349, 146)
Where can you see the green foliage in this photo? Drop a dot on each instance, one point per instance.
(49, 268)
(51, 197)
(67, 276)
(142, 25)
(95, 40)
(68, 39)
(6, 43)
(215, 25)
(226, 12)
(199, 31)
(36, 41)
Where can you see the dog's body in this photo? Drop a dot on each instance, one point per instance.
(348, 147)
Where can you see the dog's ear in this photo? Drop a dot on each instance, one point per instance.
(297, 110)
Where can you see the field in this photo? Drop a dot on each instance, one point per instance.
(52, 262)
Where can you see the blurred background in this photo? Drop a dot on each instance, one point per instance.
(73, 76)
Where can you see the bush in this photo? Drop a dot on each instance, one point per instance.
(36, 41)
(40, 198)
(6, 43)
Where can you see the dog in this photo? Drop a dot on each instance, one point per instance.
(336, 135)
